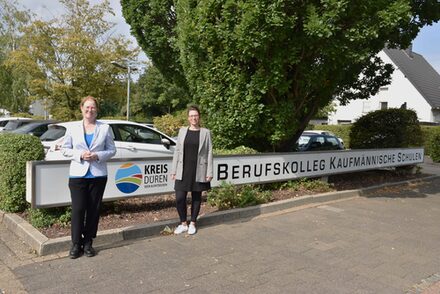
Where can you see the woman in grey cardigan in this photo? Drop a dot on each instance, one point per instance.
(191, 169)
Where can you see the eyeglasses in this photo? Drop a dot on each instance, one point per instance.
(195, 115)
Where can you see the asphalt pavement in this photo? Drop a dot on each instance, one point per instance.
(386, 242)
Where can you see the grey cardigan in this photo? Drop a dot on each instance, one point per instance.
(204, 158)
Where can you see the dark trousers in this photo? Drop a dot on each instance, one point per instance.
(196, 200)
(86, 194)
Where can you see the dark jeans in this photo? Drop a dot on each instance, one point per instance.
(196, 200)
(86, 197)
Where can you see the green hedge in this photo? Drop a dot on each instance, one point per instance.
(388, 128)
(15, 150)
(236, 151)
(430, 138)
(170, 124)
(432, 143)
(343, 131)
(228, 196)
(46, 217)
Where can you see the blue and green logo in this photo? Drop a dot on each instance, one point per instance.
(128, 178)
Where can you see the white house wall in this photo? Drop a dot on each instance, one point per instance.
(400, 90)
(4, 113)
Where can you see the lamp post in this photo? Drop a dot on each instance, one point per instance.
(128, 66)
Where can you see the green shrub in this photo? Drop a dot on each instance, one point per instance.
(250, 195)
(24, 114)
(434, 146)
(301, 184)
(305, 184)
(428, 133)
(343, 131)
(15, 150)
(389, 128)
(170, 124)
(237, 150)
(46, 217)
(228, 196)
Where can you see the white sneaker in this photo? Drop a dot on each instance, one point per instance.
(180, 229)
(192, 229)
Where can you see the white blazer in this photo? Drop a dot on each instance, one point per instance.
(75, 144)
(204, 157)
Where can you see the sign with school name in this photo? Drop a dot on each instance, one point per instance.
(47, 181)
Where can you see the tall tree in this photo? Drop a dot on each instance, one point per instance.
(13, 86)
(263, 68)
(153, 23)
(159, 96)
(70, 57)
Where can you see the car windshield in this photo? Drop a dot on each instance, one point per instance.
(13, 124)
(53, 134)
(24, 129)
(303, 140)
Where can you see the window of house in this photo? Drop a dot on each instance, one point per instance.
(383, 105)
(366, 106)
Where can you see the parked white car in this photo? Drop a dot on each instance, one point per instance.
(14, 122)
(132, 140)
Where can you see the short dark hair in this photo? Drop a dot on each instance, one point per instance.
(193, 107)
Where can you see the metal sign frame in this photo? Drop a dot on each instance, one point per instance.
(47, 181)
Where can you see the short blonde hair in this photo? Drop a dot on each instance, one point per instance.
(91, 98)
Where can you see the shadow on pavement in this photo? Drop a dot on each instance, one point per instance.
(418, 189)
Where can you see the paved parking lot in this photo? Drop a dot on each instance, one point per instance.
(383, 244)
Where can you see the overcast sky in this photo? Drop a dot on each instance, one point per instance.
(427, 42)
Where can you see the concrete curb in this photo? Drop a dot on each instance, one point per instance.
(108, 238)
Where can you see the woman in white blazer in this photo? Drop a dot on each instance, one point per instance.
(191, 169)
(89, 144)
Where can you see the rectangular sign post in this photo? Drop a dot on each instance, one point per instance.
(47, 181)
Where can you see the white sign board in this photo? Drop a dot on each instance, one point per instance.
(47, 181)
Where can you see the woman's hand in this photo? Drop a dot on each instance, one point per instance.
(173, 177)
(89, 156)
(208, 179)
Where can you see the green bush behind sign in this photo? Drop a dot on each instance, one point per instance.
(15, 150)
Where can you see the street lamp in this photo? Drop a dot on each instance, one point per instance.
(129, 67)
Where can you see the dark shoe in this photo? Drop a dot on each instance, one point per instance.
(75, 251)
(89, 251)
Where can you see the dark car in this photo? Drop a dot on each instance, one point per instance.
(35, 127)
(324, 132)
(317, 142)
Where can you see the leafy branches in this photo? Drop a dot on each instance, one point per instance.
(262, 69)
(70, 57)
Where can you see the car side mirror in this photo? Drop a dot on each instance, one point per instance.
(165, 142)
